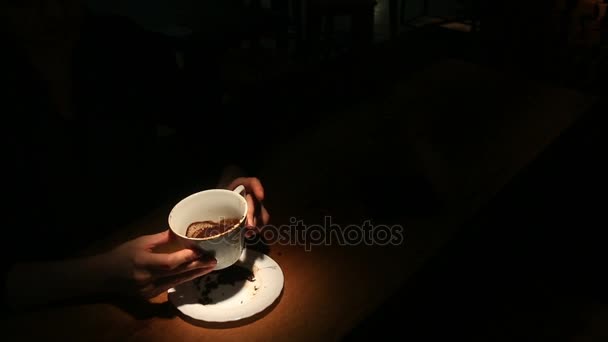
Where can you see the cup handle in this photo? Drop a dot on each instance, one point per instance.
(240, 190)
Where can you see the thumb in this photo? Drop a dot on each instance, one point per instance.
(150, 241)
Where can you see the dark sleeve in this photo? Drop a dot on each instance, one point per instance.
(9, 105)
(20, 103)
(11, 213)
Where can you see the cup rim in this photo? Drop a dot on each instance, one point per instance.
(243, 217)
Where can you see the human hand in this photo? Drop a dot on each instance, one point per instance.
(257, 215)
(135, 269)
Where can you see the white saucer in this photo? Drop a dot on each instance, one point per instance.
(228, 302)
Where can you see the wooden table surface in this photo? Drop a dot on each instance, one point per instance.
(468, 129)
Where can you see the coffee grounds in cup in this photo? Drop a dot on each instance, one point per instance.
(206, 229)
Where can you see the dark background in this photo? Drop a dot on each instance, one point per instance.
(238, 63)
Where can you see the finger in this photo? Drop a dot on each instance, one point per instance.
(166, 261)
(150, 241)
(265, 216)
(250, 211)
(253, 230)
(184, 268)
(252, 184)
(256, 226)
(261, 214)
(166, 283)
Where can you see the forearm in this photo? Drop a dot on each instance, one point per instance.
(40, 283)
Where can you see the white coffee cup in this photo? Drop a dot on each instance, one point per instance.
(212, 205)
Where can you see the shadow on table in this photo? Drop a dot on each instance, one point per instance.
(258, 244)
(137, 308)
(142, 310)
